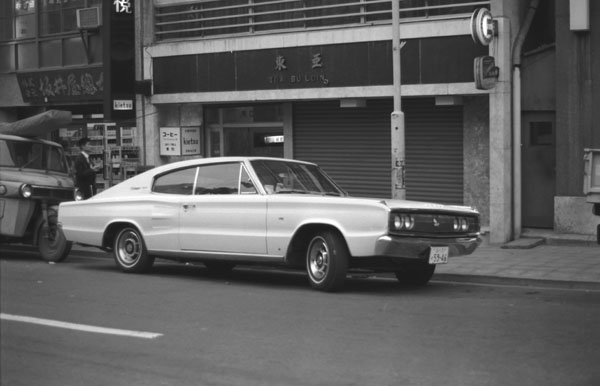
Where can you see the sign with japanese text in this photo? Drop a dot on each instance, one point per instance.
(190, 141)
(170, 141)
(62, 86)
(357, 64)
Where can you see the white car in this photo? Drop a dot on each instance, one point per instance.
(248, 210)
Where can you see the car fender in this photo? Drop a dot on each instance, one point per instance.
(361, 223)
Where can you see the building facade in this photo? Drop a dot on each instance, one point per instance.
(74, 55)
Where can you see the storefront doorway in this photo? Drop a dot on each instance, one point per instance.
(539, 170)
(245, 131)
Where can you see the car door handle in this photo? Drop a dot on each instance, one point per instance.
(188, 206)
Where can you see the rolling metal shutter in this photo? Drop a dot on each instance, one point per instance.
(353, 146)
(434, 151)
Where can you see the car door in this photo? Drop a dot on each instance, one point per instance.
(226, 213)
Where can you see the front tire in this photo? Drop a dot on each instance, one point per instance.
(327, 261)
(130, 251)
(415, 275)
(51, 242)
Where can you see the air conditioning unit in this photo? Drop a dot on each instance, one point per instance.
(89, 18)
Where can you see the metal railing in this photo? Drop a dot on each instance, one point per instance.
(212, 18)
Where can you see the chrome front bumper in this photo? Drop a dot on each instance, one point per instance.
(418, 248)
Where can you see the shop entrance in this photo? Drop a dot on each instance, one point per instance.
(245, 131)
(538, 170)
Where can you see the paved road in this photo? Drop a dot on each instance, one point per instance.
(269, 328)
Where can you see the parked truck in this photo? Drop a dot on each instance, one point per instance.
(34, 179)
(591, 182)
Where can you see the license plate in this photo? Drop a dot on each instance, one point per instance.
(438, 255)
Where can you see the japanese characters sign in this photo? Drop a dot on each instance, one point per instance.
(63, 86)
(170, 141)
(123, 6)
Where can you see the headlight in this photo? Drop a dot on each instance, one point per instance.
(26, 191)
(2, 190)
(404, 221)
(77, 194)
(460, 224)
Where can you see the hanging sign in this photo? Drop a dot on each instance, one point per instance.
(170, 141)
(483, 26)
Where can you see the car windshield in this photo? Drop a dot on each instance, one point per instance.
(280, 177)
(32, 155)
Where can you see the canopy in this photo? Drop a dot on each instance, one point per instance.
(37, 125)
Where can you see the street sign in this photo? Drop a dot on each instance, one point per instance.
(483, 26)
(485, 72)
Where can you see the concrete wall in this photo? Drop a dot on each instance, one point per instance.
(477, 156)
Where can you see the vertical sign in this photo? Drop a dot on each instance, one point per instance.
(190, 141)
(119, 59)
(170, 141)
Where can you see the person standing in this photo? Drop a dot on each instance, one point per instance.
(85, 172)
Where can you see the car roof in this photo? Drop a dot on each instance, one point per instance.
(199, 161)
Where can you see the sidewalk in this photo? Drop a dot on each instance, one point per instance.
(571, 263)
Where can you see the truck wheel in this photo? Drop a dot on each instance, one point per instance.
(415, 275)
(130, 251)
(51, 242)
(327, 261)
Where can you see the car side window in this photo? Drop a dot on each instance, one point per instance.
(218, 179)
(178, 182)
(246, 185)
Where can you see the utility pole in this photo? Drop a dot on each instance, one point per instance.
(397, 118)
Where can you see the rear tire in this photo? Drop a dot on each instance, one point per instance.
(415, 275)
(327, 261)
(130, 252)
(52, 244)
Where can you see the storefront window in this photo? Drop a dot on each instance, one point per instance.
(27, 56)
(26, 26)
(58, 16)
(6, 20)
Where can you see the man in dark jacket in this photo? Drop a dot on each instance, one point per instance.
(85, 172)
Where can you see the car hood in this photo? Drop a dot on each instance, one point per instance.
(39, 178)
(406, 204)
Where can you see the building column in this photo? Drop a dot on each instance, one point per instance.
(501, 139)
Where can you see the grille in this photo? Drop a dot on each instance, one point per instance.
(436, 224)
(52, 194)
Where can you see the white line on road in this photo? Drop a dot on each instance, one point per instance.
(80, 327)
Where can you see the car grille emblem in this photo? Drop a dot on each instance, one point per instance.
(436, 223)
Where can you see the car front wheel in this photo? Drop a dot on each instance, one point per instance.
(130, 251)
(417, 275)
(51, 242)
(327, 261)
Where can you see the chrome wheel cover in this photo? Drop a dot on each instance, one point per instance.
(129, 247)
(318, 259)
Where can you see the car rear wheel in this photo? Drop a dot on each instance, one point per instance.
(415, 275)
(130, 251)
(51, 242)
(327, 261)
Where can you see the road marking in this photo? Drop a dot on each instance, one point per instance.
(80, 327)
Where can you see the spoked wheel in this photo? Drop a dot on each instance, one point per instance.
(52, 244)
(415, 275)
(130, 251)
(327, 261)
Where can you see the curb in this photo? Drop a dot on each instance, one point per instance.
(517, 281)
